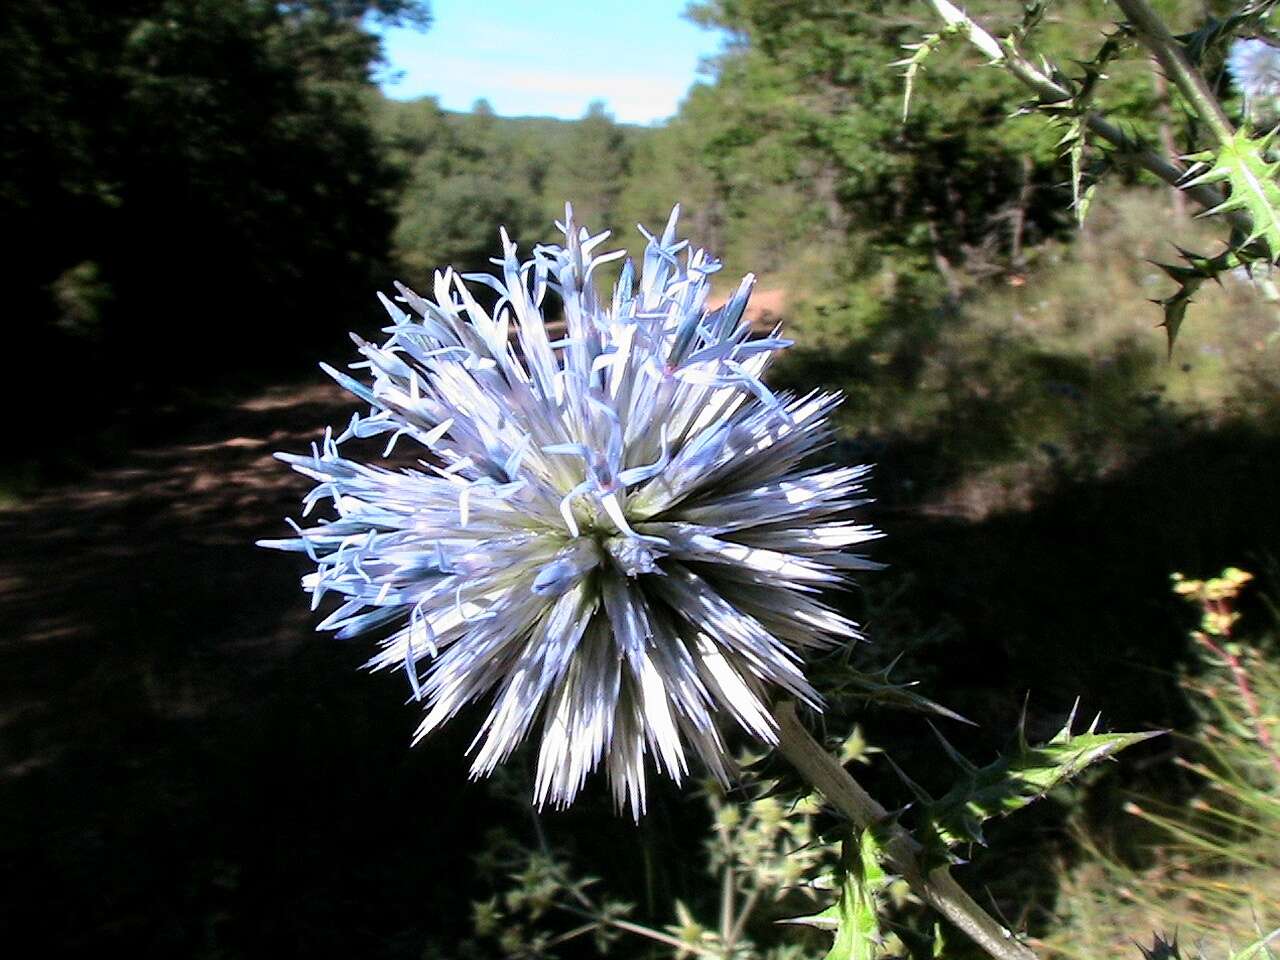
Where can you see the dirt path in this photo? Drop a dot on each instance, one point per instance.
(162, 541)
(186, 769)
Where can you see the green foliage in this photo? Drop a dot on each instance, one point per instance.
(1019, 776)
(854, 918)
(807, 127)
(763, 856)
(1190, 276)
(1234, 160)
(1253, 191)
(920, 52)
(467, 174)
(847, 685)
(590, 167)
(1243, 166)
(768, 856)
(192, 165)
(818, 183)
(1073, 114)
(793, 159)
(464, 175)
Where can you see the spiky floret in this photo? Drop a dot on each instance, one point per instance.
(1254, 65)
(612, 534)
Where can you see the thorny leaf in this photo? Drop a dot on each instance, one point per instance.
(1015, 779)
(1189, 277)
(1242, 165)
(1074, 114)
(879, 689)
(1217, 31)
(920, 52)
(1074, 142)
(860, 880)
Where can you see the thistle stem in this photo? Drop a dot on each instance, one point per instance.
(1156, 37)
(902, 853)
(1007, 55)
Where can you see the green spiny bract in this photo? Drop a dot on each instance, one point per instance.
(861, 882)
(1015, 779)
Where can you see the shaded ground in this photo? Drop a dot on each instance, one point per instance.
(185, 767)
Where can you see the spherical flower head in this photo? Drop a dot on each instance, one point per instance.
(612, 532)
(1254, 65)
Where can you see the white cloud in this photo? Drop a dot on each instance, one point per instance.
(554, 64)
(517, 89)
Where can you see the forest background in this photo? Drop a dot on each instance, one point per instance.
(201, 198)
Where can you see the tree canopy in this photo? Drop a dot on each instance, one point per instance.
(179, 175)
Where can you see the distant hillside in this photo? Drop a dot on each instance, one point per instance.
(464, 174)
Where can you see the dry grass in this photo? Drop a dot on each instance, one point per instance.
(1207, 870)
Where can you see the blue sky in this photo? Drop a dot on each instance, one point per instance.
(552, 58)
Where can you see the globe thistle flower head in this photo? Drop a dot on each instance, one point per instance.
(1254, 65)
(611, 532)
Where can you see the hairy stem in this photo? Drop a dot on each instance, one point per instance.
(661, 937)
(1050, 91)
(573, 934)
(727, 892)
(740, 924)
(903, 854)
